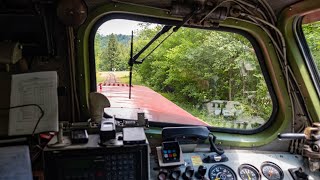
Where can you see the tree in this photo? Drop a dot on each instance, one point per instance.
(119, 44)
(110, 56)
(197, 66)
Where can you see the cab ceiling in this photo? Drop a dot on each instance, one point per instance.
(277, 5)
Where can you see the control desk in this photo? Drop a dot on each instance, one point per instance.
(241, 165)
(116, 161)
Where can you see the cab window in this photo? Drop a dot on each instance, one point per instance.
(309, 39)
(312, 35)
(196, 76)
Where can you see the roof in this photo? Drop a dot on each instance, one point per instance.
(276, 5)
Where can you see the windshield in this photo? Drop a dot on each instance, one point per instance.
(198, 77)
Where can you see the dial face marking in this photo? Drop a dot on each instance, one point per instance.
(271, 171)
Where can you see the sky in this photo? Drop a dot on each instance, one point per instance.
(120, 26)
(117, 26)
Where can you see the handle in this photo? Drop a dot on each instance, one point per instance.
(291, 136)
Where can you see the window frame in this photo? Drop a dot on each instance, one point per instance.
(253, 41)
(306, 53)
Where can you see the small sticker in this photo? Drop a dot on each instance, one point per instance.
(196, 160)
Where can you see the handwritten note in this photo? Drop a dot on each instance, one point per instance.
(15, 163)
(33, 88)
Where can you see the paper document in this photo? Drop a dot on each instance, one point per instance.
(15, 163)
(33, 88)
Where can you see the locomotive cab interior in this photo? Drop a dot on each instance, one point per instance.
(172, 89)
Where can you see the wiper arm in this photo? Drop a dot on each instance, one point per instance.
(175, 29)
(165, 29)
(133, 59)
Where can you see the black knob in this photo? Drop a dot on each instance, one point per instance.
(175, 174)
(301, 174)
(188, 173)
(162, 175)
(201, 172)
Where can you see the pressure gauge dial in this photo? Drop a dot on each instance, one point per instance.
(271, 171)
(248, 172)
(221, 172)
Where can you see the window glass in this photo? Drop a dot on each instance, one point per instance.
(312, 35)
(198, 77)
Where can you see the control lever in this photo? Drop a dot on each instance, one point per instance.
(175, 174)
(188, 173)
(298, 174)
(291, 136)
(162, 174)
(311, 148)
(202, 170)
(213, 147)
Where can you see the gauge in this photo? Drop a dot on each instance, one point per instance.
(248, 172)
(271, 171)
(221, 172)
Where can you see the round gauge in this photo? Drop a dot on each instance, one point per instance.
(271, 171)
(221, 172)
(248, 172)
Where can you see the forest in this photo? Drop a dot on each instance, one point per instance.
(194, 68)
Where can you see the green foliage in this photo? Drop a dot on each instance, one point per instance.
(111, 51)
(312, 35)
(198, 66)
(194, 67)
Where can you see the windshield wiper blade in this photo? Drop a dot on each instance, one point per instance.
(175, 29)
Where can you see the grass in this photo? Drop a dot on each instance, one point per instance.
(99, 78)
(136, 80)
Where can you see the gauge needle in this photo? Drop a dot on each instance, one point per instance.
(217, 179)
(248, 175)
(270, 173)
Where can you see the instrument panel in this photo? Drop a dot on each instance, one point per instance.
(243, 165)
